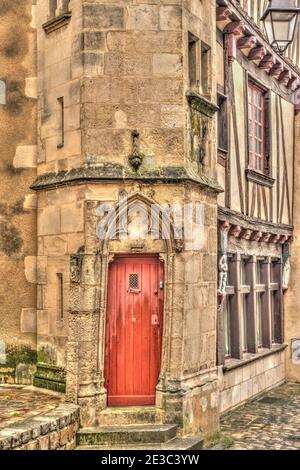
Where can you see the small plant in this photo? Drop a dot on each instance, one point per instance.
(218, 441)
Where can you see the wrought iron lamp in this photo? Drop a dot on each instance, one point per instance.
(280, 22)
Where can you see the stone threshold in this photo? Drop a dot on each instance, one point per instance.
(237, 363)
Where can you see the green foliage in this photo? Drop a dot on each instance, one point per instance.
(19, 354)
(217, 440)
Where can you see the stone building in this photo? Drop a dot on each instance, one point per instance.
(141, 105)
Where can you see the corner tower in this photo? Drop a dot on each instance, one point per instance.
(127, 97)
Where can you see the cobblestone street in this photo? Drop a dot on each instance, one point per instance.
(272, 422)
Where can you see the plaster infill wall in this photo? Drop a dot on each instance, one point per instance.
(246, 382)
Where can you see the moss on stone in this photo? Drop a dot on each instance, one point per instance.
(50, 377)
(46, 355)
(10, 239)
(217, 441)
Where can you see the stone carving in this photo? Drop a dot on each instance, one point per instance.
(179, 245)
(75, 268)
(296, 351)
(286, 274)
(223, 275)
(223, 265)
(136, 158)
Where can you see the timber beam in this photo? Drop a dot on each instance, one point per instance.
(247, 37)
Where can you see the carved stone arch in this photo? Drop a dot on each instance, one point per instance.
(172, 244)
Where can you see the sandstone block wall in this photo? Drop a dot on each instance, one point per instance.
(17, 171)
(246, 382)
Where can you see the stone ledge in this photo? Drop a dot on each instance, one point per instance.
(237, 363)
(50, 377)
(57, 22)
(54, 430)
(201, 104)
(260, 178)
(111, 172)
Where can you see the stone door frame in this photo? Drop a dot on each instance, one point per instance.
(87, 314)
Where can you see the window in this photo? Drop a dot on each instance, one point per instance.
(60, 296)
(222, 124)
(61, 122)
(256, 102)
(193, 61)
(253, 310)
(52, 8)
(243, 324)
(227, 327)
(205, 70)
(57, 7)
(276, 317)
(2, 92)
(199, 57)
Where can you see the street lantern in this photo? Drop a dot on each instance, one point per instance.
(280, 21)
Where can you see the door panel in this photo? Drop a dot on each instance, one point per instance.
(133, 330)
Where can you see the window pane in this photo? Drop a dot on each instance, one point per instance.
(243, 320)
(227, 344)
(243, 272)
(256, 132)
(273, 315)
(259, 272)
(274, 271)
(259, 319)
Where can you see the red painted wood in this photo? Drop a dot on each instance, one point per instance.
(134, 325)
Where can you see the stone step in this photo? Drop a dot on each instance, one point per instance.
(122, 416)
(184, 443)
(131, 434)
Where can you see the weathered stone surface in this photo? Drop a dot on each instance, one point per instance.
(26, 432)
(103, 16)
(170, 17)
(143, 17)
(25, 156)
(28, 320)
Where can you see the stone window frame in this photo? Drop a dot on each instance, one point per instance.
(59, 15)
(237, 291)
(199, 66)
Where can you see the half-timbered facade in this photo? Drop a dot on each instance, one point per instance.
(256, 151)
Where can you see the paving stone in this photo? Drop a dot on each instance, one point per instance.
(20, 403)
(271, 422)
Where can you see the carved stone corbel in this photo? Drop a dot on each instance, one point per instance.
(235, 231)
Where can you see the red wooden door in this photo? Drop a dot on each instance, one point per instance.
(133, 330)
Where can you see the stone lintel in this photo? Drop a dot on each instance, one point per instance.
(57, 22)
